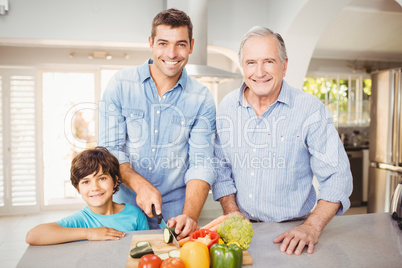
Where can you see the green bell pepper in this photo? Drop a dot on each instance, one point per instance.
(226, 256)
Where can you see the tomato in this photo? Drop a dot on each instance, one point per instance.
(150, 261)
(173, 262)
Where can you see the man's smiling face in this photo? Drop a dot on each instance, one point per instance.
(171, 48)
(262, 67)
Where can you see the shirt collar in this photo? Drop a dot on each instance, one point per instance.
(284, 95)
(242, 99)
(145, 74)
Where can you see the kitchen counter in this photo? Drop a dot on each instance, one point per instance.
(368, 240)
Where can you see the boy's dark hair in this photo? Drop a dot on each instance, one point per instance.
(173, 18)
(90, 161)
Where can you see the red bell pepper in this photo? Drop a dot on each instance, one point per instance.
(199, 234)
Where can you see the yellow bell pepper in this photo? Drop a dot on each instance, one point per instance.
(195, 255)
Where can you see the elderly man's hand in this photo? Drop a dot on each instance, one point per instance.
(297, 238)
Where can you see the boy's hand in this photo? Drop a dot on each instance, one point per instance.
(104, 233)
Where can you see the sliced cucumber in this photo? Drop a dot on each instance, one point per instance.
(168, 235)
(163, 256)
(141, 243)
(140, 251)
(174, 253)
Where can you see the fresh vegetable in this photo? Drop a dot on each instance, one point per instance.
(212, 226)
(163, 256)
(141, 250)
(149, 261)
(226, 256)
(174, 253)
(237, 229)
(183, 241)
(195, 255)
(142, 243)
(215, 222)
(233, 242)
(205, 236)
(168, 234)
(173, 262)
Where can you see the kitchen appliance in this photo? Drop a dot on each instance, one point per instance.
(385, 154)
(396, 203)
(356, 167)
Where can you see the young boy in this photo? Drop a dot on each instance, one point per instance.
(95, 174)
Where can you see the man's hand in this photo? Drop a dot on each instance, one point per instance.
(147, 194)
(308, 233)
(184, 225)
(196, 194)
(104, 233)
(297, 238)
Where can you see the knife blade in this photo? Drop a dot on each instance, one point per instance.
(162, 224)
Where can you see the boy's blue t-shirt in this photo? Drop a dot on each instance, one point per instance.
(129, 219)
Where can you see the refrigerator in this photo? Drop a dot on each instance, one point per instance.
(385, 153)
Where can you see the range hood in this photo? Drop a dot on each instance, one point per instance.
(197, 64)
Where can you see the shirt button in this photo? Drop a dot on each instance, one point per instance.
(164, 97)
(252, 173)
(131, 114)
(153, 149)
(252, 215)
(182, 122)
(156, 131)
(250, 195)
(158, 112)
(254, 150)
(149, 168)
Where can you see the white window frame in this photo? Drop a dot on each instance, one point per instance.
(6, 72)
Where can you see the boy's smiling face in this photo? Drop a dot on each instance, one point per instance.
(97, 191)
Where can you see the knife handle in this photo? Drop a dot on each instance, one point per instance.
(159, 217)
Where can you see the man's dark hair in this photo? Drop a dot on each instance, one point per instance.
(174, 18)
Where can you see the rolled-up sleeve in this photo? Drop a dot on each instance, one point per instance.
(201, 144)
(224, 184)
(329, 161)
(112, 125)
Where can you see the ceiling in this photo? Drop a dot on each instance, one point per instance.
(369, 30)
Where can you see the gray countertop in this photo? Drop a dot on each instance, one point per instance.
(368, 240)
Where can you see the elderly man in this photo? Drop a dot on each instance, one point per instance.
(271, 139)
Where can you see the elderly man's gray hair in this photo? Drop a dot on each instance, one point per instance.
(262, 32)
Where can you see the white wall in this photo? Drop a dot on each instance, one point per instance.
(121, 24)
(129, 22)
(93, 20)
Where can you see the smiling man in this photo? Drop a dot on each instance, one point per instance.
(159, 123)
(271, 140)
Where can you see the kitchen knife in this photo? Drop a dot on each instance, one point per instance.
(162, 225)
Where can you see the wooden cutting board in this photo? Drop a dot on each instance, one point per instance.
(159, 246)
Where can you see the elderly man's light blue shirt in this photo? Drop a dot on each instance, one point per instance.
(269, 162)
(168, 140)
